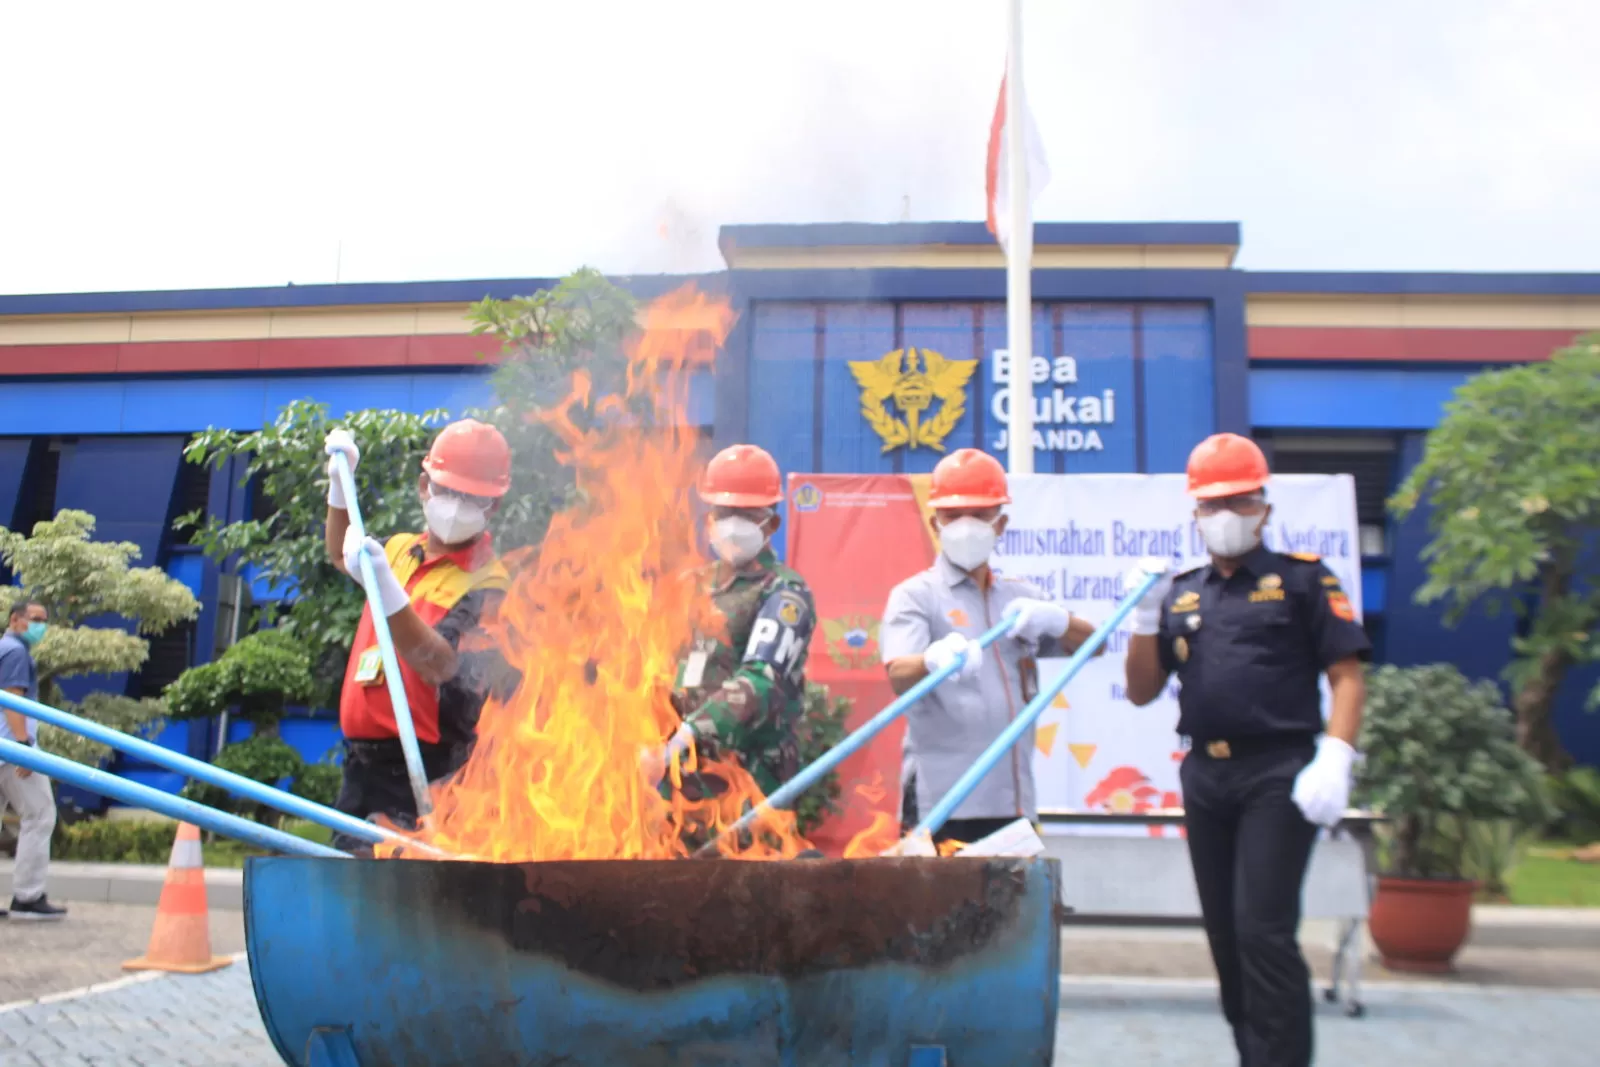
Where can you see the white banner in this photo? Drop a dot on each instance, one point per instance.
(1076, 536)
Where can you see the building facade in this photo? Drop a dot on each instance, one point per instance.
(859, 348)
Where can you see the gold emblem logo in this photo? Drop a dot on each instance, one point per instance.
(1180, 648)
(1270, 581)
(851, 641)
(1186, 602)
(908, 381)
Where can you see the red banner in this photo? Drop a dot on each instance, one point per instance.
(854, 538)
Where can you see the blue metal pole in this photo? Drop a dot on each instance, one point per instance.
(98, 781)
(1013, 732)
(391, 663)
(791, 790)
(205, 772)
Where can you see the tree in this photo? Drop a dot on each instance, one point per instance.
(79, 579)
(1513, 475)
(287, 546)
(260, 677)
(581, 324)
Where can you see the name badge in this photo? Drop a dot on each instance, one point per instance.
(369, 668)
(694, 671)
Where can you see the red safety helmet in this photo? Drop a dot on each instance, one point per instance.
(470, 457)
(741, 476)
(1226, 464)
(969, 478)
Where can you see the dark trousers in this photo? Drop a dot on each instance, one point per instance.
(968, 831)
(965, 831)
(374, 782)
(1250, 846)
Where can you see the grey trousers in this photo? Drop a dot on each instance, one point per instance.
(35, 804)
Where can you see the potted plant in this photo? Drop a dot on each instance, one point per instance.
(1440, 755)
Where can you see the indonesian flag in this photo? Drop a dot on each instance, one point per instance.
(997, 176)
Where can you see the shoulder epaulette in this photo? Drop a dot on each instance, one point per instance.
(1304, 557)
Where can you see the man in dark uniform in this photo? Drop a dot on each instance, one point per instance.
(1249, 635)
(741, 693)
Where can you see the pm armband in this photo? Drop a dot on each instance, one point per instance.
(781, 633)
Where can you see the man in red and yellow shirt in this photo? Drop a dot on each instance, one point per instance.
(436, 588)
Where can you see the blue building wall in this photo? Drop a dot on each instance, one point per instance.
(1119, 391)
(1168, 345)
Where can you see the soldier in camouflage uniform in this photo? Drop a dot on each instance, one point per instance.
(742, 696)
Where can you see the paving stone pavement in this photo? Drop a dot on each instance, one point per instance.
(150, 1021)
(1141, 1023)
(211, 1021)
(87, 947)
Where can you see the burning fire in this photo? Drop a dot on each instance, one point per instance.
(596, 622)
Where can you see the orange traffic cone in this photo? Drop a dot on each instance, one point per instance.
(181, 940)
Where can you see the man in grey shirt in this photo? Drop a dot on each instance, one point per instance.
(22, 789)
(936, 616)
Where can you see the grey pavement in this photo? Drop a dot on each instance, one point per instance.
(88, 947)
(211, 1021)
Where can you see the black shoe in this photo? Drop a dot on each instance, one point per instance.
(40, 910)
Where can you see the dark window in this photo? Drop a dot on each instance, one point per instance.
(170, 655)
(1369, 460)
(193, 494)
(262, 506)
(42, 504)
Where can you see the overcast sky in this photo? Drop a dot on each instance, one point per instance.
(166, 145)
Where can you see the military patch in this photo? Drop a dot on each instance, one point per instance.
(1330, 581)
(1304, 557)
(1180, 649)
(1340, 605)
(1270, 581)
(789, 611)
(1266, 596)
(1186, 602)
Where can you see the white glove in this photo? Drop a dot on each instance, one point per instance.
(944, 651)
(391, 594)
(1146, 615)
(1322, 789)
(913, 844)
(1038, 618)
(340, 440)
(653, 762)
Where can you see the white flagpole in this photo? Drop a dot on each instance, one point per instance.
(1019, 256)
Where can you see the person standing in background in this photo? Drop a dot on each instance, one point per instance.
(27, 791)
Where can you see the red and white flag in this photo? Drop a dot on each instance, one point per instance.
(998, 171)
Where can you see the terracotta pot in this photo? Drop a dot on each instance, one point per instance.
(1420, 924)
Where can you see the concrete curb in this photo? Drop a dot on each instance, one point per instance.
(128, 883)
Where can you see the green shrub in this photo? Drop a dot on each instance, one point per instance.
(1440, 756)
(319, 782)
(821, 727)
(264, 759)
(114, 841)
(1576, 797)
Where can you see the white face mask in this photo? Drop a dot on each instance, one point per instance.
(967, 542)
(737, 540)
(1230, 535)
(454, 521)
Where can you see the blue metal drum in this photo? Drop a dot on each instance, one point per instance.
(881, 962)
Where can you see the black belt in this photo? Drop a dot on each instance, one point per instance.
(1244, 747)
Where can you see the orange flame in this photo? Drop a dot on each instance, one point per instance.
(597, 621)
(880, 834)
